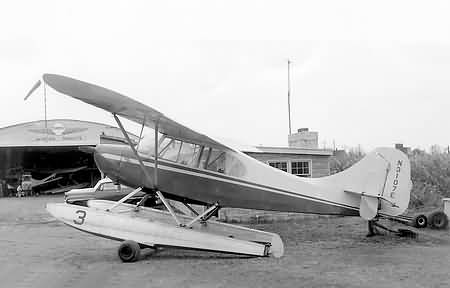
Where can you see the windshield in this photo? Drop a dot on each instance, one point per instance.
(147, 145)
(108, 186)
(26, 178)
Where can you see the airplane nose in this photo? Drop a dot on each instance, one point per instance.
(108, 158)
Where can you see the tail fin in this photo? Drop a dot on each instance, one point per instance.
(383, 181)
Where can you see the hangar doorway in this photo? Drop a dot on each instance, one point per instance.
(46, 155)
(52, 169)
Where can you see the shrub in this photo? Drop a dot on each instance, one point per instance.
(430, 174)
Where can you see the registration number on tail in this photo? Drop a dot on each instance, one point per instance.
(81, 215)
(397, 173)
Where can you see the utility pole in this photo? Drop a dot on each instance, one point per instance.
(45, 112)
(289, 94)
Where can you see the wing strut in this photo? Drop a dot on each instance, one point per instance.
(155, 181)
(140, 134)
(155, 184)
(125, 134)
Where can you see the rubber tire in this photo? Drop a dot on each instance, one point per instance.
(420, 221)
(129, 251)
(438, 220)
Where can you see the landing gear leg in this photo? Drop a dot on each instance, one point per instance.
(372, 229)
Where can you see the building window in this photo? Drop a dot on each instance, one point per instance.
(279, 165)
(301, 168)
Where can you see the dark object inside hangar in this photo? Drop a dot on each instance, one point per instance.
(42, 162)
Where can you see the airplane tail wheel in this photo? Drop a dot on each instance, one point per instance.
(420, 221)
(438, 220)
(129, 251)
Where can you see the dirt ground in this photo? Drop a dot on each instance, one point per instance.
(37, 251)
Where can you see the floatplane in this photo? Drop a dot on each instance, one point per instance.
(190, 167)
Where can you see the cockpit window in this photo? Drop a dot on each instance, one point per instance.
(188, 154)
(194, 155)
(224, 162)
(164, 145)
(171, 151)
(216, 161)
(204, 157)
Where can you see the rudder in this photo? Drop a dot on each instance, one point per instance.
(398, 183)
(382, 179)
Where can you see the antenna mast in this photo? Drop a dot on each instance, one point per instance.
(289, 94)
(45, 112)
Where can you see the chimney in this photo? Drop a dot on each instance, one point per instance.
(304, 139)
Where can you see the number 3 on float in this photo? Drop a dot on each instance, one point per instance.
(81, 217)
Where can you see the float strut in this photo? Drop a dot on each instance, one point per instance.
(131, 194)
(142, 201)
(190, 208)
(169, 208)
(208, 212)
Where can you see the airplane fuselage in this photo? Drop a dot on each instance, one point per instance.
(195, 184)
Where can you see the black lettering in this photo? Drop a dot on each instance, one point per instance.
(81, 217)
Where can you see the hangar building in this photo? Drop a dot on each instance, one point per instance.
(31, 148)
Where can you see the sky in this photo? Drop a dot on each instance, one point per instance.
(368, 73)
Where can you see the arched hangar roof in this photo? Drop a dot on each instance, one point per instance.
(59, 132)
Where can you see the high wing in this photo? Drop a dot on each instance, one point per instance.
(69, 170)
(58, 171)
(128, 108)
(55, 176)
(46, 180)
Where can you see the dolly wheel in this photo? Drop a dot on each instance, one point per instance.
(129, 251)
(420, 221)
(438, 220)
